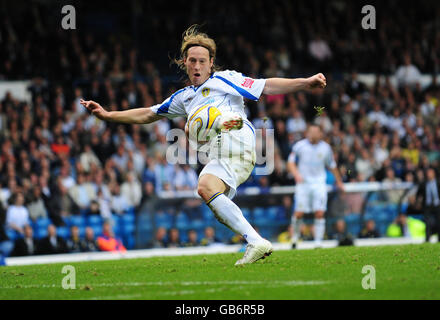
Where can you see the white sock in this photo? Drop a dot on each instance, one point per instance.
(319, 230)
(228, 213)
(296, 223)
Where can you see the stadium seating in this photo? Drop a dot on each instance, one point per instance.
(163, 219)
(66, 220)
(259, 215)
(130, 211)
(42, 223)
(182, 221)
(247, 214)
(40, 233)
(404, 207)
(144, 230)
(78, 221)
(128, 241)
(84, 212)
(63, 232)
(93, 220)
(222, 232)
(282, 215)
(207, 214)
(12, 235)
(127, 224)
(271, 213)
(97, 230)
(117, 225)
(123, 227)
(40, 227)
(198, 224)
(352, 222)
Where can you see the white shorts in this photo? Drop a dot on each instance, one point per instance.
(311, 197)
(232, 157)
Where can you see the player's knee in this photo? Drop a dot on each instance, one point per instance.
(209, 185)
(203, 190)
(298, 215)
(319, 214)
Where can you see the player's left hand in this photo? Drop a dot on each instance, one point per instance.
(317, 81)
(340, 186)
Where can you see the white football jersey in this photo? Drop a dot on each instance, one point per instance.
(224, 90)
(312, 159)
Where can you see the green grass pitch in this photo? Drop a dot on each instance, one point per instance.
(402, 272)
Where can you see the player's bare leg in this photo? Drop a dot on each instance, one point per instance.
(296, 224)
(212, 189)
(319, 226)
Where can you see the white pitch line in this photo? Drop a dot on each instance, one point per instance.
(277, 283)
(213, 290)
(149, 253)
(185, 292)
(120, 296)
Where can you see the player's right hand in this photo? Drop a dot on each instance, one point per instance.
(298, 179)
(317, 81)
(340, 186)
(95, 108)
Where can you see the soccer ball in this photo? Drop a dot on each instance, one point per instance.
(203, 123)
(206, 122)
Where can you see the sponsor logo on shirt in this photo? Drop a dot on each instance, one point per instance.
(247, 83)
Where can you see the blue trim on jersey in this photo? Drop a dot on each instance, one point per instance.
(208, 117)
(250, 126)
(164, 107)
(241, 91)
(223, 101)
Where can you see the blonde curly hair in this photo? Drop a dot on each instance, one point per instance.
(192, 37)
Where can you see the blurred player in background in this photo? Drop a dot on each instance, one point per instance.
(219, 179)
(307, 164)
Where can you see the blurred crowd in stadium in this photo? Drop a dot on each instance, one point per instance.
(56, 160)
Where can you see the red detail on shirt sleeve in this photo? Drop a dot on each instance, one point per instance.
(248, 82)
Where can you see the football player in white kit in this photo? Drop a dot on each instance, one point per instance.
(219, 179)
(307, 164)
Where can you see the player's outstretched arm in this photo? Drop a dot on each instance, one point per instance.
(339, 182)
(285, 86)
(293, 170)
(131, 116)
